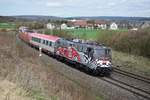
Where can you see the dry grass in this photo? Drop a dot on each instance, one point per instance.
(10, 91)
(22, 66)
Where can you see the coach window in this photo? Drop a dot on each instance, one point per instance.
(39, 40)
(35, 39)
(46, 42)
(50, 43)
(43, 41)
(32, 38)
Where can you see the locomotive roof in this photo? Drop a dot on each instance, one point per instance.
(46, 37)
(95, 46)
(91, 44)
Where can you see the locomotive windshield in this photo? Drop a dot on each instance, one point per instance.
(101, 53)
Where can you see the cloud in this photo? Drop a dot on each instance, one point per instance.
(123, 0)
(111, 4)
(53, 4)
(76, 7)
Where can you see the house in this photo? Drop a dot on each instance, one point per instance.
(80, 24)
(64, 26)
(136, 24)
(145, 25)
(50, 26)
(113, 26)
(124, 24)
(89, 26)
(100, 24)
(70, 25)
(23, 29)
(134, 29)
(72, 20)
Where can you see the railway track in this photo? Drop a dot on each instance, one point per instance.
(135, 76)
(130, 88)
(123, 81)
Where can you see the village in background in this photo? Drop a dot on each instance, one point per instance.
(99, 24)
(104, 23)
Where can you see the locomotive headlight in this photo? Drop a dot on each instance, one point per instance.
(98, 61)
(102, 62)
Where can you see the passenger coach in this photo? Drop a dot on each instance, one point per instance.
(46, 42)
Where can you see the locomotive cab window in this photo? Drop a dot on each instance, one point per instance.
(90, 52)
(101, 53)
(57, 44)
(80, 48)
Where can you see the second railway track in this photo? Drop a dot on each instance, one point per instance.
(130, 88)
(138, 85)
(135, 76)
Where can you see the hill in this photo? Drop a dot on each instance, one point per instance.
(41, 18)
(37, 18)
(112, 18)
(7, 19)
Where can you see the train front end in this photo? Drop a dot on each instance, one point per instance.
(102, 60)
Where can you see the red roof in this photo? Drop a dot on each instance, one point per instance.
(46, 37)
(100, 22)
(82, 23)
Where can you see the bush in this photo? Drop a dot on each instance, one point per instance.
(106, 37)
(133, 42)
(31, 25)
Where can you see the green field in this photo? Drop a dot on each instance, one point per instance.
(7, 26)
(91, 33)
(99, 35)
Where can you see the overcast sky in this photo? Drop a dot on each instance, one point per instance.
(65, 8)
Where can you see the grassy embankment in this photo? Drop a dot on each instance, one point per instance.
(23, 76)
(130, 48)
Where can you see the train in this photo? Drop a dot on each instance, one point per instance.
(95, 58)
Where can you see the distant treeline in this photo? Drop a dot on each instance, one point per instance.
(31, 25)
